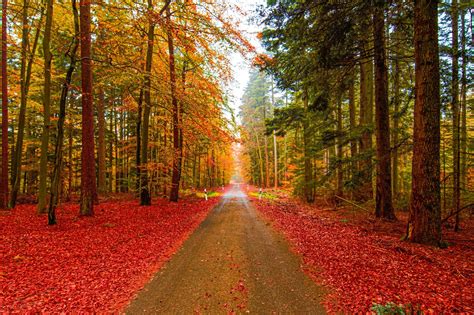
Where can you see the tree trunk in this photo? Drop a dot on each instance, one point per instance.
(70, 162)
(396, 121)
(58, 151)
(275, 148)
(352, 123)
(145, 197)
(339, 155)
(25, 76)
(424, 224)
(43, 173)
(463, 103)
(101, 142)
(176, 112)
(365, 191)
(4, 179)
(259, 152)
(139, 140)
(265, 148)
(88, 182)
(383, 196)
(308, 166)
(456, 116)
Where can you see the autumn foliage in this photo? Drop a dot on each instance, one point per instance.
(93, 264)
(362, 267)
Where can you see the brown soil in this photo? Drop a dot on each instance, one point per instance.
(234, 262)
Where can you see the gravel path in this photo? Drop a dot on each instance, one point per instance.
(234, 262)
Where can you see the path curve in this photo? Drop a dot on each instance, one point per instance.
(234, 262)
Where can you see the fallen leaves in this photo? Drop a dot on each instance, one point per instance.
(364, 267)
(89, 264)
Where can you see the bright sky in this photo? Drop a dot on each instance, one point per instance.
(240, 66)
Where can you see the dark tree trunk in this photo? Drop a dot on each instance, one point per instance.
(308, 165)
(352, 126)
(396, 123)
(145, 197)
(4, 179)
(25, 77)
(58, 151)
(88, 182)
(43, 173)
(383, 196)
(365, 190)
(339, 146)
(101, 142)
(424, 224)
(139, 125)
(176, 112)
(463, 102)
(456, 114)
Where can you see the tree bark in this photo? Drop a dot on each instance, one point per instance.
(424, 224)
(176, 113)
(339, 155)
(139, 140)
(58, 151)
(88, 181)
(463, 103)
(102, 185)
(383, 196)
(365, 191)
(4, 179)
(396, 123)
(145, 197)
(456, 114)
(352, 123)
(275, 148)
(308, 165)
(25, 76)
(43, 173)
(265, 148)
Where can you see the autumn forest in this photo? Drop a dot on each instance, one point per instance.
(288, 156)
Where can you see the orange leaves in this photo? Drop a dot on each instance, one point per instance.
(262, 60)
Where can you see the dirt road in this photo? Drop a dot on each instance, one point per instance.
(234, 262)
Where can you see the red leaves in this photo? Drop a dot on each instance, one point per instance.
(363, 267)
(89, 264)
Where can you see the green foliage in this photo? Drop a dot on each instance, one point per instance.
(265, 195)
(388, 309)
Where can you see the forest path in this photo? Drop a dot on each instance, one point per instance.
(234, 262)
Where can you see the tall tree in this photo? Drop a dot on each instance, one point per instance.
(4, 179)
(352, 126)
(58, 151)
(176, 113)
(365, 191)
(275, 146)
(424, 224)
(27, 59)
(88, 181)
(339, 145)
(383, 196)
(456, 112)
(101, 142)
(463, 101)
(145, 197)
(48, 57)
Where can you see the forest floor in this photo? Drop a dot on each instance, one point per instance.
(364, 263)
(233, 263)
(89, 264)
